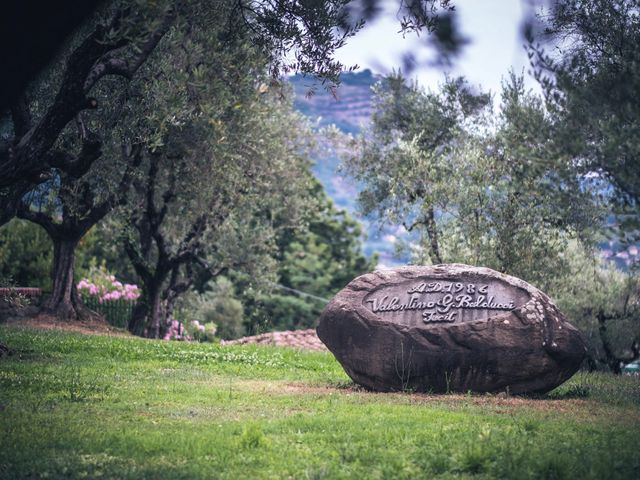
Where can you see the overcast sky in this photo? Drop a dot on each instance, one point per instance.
(491, 26)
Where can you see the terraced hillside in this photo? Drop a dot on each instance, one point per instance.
(349, 110)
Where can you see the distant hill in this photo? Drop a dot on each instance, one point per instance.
(349, 110)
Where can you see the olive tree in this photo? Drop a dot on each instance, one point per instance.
(477, 188)
(224, 156)
(586, 58)
(604, 302)
(120, 37)
(69, 209)
(160, 65)
(210, 205)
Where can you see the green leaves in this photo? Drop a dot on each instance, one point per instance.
(26, 254)
(591, 87)
(318, 258)
(473, 187)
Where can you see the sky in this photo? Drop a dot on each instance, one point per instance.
(491, 26)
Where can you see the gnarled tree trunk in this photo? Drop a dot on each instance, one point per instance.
(63, 298)
(64, 301)
(146, 317)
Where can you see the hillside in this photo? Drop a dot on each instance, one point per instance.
(349, 110)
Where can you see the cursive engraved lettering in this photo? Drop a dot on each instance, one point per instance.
(441, 301)
(434, 317)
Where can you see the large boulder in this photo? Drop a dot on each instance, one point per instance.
(450, 328)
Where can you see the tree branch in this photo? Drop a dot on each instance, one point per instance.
(21, 116)
(77, 166)
(30, 157)
(95, 213)
(108, 65)
(39, 218)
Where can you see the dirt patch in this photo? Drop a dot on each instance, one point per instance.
(86, 327)
(500, 403)
(583, 409)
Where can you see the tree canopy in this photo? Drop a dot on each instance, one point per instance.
(477, 190)
(587, 61)
(315, 260)
(120, 38)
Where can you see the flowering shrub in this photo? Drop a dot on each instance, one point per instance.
(176, 331)
(193, 331)
(104, 286)
(202, 332)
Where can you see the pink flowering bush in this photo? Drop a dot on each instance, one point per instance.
(176, 331)
(102, 285)
(194, 330)
(202, 332)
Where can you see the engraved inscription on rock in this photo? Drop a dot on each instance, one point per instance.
(450, 328)
(444, 300)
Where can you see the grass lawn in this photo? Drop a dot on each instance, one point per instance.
(76, 406)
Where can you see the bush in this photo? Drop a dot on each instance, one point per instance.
(101, 284)
(26, 254)
(219, 306)
(202, 332)
(103, 293)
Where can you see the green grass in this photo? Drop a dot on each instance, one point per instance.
(75, 406)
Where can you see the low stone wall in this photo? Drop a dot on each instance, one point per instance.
(301, 339)
(26, 291)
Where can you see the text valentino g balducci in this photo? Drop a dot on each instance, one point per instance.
(443, 309)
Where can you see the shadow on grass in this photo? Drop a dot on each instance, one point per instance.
(601, 387)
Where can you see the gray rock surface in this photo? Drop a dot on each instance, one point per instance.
(450, 328)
